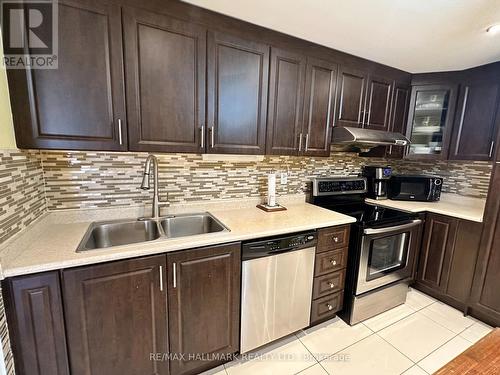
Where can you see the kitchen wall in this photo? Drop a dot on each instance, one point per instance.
(103, 179)
(7, 139)
(22, 194)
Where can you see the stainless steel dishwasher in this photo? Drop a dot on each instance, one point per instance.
(277, 280)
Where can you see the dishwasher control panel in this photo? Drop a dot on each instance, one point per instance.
(271, 246)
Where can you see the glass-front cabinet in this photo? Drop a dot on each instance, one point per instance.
(430, 120)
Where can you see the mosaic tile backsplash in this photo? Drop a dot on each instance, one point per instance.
(103, 179)
(22, 195)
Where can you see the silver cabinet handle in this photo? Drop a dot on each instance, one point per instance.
(300, 142)
(161, 278)
(332, 285)
(330, 307)
(202, 142)
(174, 273)
(491, 148)
(333, 262)
(307, 142)
(212, 137)
(414, 223)
(120, 137)
(335, 239)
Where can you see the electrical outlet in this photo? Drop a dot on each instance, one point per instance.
(284, 178)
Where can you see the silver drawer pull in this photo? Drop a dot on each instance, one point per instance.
(335, 239)
(332, 285)
(330, 307)
(333, 262)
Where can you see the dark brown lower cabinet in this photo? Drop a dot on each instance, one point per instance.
(116, 317)
(204, 306)
(36, 324)
(448, 255)
(485, 295)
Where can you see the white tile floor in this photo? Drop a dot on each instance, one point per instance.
(416, 338)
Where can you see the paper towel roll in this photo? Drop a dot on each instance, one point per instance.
(271, 189)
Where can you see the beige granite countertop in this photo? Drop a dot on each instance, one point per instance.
(50, 243)
(450, 204)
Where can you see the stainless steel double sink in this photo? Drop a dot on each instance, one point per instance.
(124, 232)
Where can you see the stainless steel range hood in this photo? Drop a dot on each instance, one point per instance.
(365, 139)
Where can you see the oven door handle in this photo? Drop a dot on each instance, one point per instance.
(392, 229)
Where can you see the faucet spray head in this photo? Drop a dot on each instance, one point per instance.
(145, 181)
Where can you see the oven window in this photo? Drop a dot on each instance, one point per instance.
(387, 254)
(417, 189)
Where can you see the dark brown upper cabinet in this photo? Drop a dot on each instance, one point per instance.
(476, 121)
(378, 103)
(286, 103)
(319, 106)
(351, 97)
(165, 63)
(485, 296)
(116, 316)
(364, 100)
(204, 306)
(237, 77)
(36, 323)
(399, 117)
(81, 104)
(430, 120)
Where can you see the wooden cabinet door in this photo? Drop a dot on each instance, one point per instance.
(378, 103)
(36, 323)
(165, 62)
(237, 79)
(439, 240)
(476, 121)
(286, 101)
(321, 80)
(81, 104)
(116, 317)
(399, 117)
(485, 295)
(351, 97)
(204, 306)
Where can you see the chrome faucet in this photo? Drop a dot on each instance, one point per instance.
(146, 186)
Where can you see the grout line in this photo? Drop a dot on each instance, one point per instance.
(347, 347)
(411, 360)
(304, 345)
(397, 321)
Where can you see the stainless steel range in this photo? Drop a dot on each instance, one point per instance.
(382, 248)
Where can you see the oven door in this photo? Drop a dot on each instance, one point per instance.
(387, 255)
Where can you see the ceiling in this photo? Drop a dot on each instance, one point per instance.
(413, 35)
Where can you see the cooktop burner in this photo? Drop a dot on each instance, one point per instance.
(367, 214)
(347, 196)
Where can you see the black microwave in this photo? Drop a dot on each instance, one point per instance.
(415, 188)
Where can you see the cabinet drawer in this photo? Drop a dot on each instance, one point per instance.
(326, 307)
(328, 284)
(330, 261)
(332, 238)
